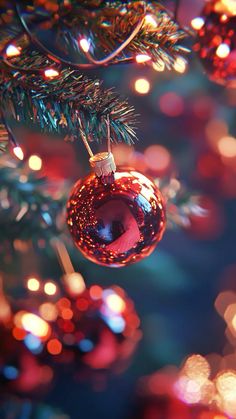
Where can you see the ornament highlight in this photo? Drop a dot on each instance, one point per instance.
(116, 221)
(216, 41)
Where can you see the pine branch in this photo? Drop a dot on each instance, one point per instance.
(31, 208)
(57, 105)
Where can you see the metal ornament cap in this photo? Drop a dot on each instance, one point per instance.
(103, 164)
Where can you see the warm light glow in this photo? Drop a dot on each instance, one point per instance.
(115, 303)
(95, 292)
(48, 311)
(227, 147)
(197, 23)
(18, 152)
(226, 6)
(226, 385)
(142, 86)
(234, 322)
(159, 66)
(157, 158)
(180, 65)
(197, 368)
(12, 51)
(150, 20)
(54, 347)
(84, 44)
(50, 73)
(33, 284)
(223, 50)
(75, 283)
(50, 288)
(142, 58)
(34, 324)
(35, 163)
(188, 390)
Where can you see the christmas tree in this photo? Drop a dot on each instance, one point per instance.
(154, 194)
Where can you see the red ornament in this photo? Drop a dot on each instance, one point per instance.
(98, 329)
(119, 222)
(216, 43)
(20, 370)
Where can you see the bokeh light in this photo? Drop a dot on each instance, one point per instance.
(142, 86)
(33, 284)
(157, 158)
(35, 163)
(197, 23)
(223, 50)
(171, 104)
(50, 288)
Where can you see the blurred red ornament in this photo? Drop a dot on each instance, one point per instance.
(119, 222)
(216, 42)
(167, 407)
(98, 329)
(20, 370)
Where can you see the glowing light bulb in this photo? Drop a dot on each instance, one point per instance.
(150, 20)
(33, 284)
(142, 58)
(18, 152)
(142, 86)
(85, 45)
(12, 51)
(197, 23)
(223, 50)
(35, 163)
(50, 73)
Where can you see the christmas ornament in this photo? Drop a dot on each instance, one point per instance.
(95, 327)
(20, 370)
(98, 329)
(216, 42)
(115, 217)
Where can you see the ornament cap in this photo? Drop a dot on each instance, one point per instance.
(103, 164)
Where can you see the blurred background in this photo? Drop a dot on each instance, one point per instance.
(181, 293)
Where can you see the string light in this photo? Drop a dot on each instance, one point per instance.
(18, 152)
(12, 51)
(85, 45)
(197, 23)
(142, 58)
(35, 163)
(50, 73)
(150, 20)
